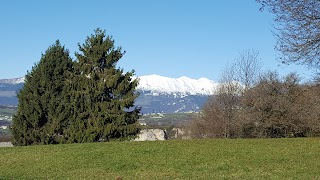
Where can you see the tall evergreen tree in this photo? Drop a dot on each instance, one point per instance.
(101, 95)
(39, 118)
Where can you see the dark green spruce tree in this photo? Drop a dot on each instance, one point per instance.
(101, 95)
(41, 116)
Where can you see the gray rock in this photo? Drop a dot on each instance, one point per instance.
(6, 144)
(151, 135)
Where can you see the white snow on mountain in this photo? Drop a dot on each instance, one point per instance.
(160, 84)
(13, 81)
(182, 85)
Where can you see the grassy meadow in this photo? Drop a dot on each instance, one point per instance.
(174, 159)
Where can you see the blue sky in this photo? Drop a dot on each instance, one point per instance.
(171, 38)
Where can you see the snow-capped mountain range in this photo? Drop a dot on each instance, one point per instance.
(157, 93)
(182, 85)
(12, 81)
(161, 84)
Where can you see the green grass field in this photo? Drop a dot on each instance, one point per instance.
(183, 159)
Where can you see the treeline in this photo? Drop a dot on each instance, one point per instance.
(87, 99)
(251, 104)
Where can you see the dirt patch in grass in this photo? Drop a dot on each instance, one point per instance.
(5, 138)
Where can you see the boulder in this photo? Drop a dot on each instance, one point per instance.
(151, 135)
(6, 144)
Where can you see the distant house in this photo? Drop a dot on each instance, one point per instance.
(160, 115)
(142, 122)
(3, 127)
(157, 116)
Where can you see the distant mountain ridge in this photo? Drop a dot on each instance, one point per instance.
(160, 84)
(12, 81)
(182, 85)
(157, 93)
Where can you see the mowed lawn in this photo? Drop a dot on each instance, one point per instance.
(174, 159)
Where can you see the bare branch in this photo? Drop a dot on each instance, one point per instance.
(297, 31)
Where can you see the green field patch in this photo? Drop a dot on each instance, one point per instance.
(175, 119)
(174, 159)
(7, 111)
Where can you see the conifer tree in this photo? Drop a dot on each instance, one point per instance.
(101, 95)
(39, 118)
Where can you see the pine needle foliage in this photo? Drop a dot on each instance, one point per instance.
(101, 95)
(37, 120)
(86, 100)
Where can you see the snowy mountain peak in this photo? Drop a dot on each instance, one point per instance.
(182, 85)
(12, 81)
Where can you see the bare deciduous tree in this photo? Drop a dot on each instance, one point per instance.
(227, 96)
(297, 31)
(247, 67)
(281, 108)
(221, 115)
(218, 116)
(209, 123)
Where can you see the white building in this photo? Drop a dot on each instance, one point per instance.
(3, 127)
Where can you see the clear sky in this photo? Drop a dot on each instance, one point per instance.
(173, 38)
